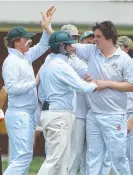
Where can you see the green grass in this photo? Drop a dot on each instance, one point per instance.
(35, 27)
(34, 167)
(36, 164)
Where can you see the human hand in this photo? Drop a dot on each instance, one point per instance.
(129, 125)
(102, 84)
(46, 19)
(87, 78)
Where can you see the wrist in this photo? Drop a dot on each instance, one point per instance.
(109, 84)
(49, 29)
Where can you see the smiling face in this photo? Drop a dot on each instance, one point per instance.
(105, 34)
(23, 44)
(100, 40)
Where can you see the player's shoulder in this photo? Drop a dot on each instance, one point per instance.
(10, 61)
(122, 54)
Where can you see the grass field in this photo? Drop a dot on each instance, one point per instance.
(35, 27)
(34, 167)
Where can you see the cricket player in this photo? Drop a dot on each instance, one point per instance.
(58, 83)
(87, 37)
(126, 44)
(80, 111)
(107, 119)
(20, 83)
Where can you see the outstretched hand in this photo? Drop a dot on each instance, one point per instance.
(46, 18)
(50, 12)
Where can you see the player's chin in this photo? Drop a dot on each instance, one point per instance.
(27, 49)
(71, 52)
(97, 45)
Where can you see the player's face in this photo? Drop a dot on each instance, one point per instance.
(124, 48)
(70, 49)
(76, 37)
(88, 40)
(99, 39)
(23, 44)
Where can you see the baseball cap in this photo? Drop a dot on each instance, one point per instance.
(19, 32)
(71, 29)
(86, 34)
(124, 40)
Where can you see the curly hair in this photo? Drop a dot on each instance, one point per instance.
(11, 43)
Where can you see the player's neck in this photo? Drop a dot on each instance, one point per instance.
(108, 50)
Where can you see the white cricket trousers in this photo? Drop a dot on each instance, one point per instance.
(77, 146)
(20, 127)
(106, 144)
(130, 145)
(57, 130)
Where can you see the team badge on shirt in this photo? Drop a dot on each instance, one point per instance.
(114, 65)
(118, 127)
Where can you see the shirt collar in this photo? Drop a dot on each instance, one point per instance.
(116, 53)
(16, 52)
(61, 57)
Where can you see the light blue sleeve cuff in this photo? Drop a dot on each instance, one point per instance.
(93, 86)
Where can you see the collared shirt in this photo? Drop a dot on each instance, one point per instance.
(18, 75)
(130, 100)
(118, 67)
(79, 101)
(58, 81)
(78, 65)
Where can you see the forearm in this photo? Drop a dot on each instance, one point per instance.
(84, 87)
(49, 29)
(36, 51)
(120, 86)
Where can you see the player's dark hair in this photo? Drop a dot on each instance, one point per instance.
(108, 29)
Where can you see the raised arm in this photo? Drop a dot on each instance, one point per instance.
(84, 51)
(40, 48)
